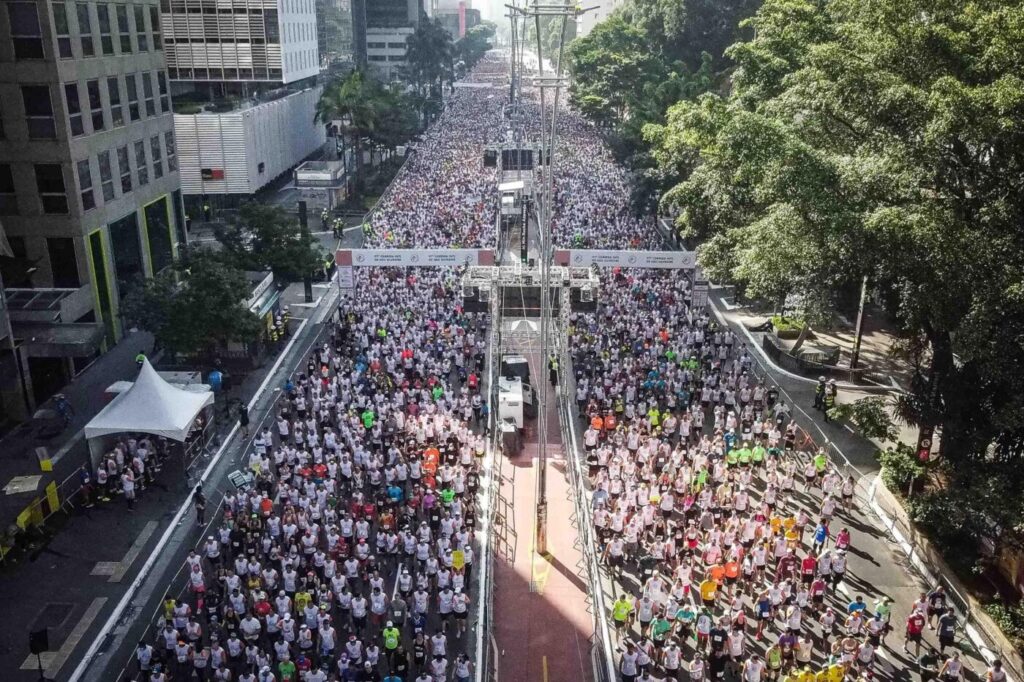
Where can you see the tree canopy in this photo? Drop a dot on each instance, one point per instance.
(267, 238)
(195, 306)
(471, 48)
(645, 57)
(879, 138)
(367, 112)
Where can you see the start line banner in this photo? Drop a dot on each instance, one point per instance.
(347, 259)
(581, 258)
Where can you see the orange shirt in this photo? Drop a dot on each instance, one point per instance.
(716, 573)
(732, 570)
(597, 423)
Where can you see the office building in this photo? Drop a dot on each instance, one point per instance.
(244, 76)
(334, 34)
(389, 23)
(602, 9)
(89, 188)
(457, 16)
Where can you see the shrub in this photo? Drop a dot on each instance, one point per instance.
(1010, 620)
(787, 324)
(899, 466)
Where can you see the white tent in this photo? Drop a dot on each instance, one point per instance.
(152, 406)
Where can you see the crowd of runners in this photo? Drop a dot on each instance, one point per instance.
(727, 542)
(350, 555)
(445, 197)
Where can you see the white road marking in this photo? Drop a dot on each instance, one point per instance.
(133, 552)
(53, 661)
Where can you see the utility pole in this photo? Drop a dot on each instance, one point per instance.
(545, 205)
(859, 332)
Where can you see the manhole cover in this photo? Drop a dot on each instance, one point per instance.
(52, 616)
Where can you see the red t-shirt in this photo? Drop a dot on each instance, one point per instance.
(915, 623)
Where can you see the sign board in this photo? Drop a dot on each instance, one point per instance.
(699, 297)
(346, 277)
(924, 443)
(413, 257)
(211, 173)
(680, 260)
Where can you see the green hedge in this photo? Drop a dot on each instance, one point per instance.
(787, 324)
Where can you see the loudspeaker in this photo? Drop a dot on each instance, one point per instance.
(490, 158)
(582, 300)
(39, 641)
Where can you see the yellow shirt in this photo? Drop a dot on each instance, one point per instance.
(836, 673)
(708, 588)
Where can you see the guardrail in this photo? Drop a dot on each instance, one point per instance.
(602, 650)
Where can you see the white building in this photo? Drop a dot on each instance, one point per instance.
(602, 9)
(385, 49)
(239, 152)
(240, 41)
(243, 73)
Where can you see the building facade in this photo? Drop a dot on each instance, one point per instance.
(240, 41)
(244, 73)
(388, 24)
(89, 186)
(602, 9)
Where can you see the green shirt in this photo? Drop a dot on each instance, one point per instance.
(661, 626)
(368, 418)
(745, 455)
(686, 614)
(447, 495)
(621, 609)
(391, 636)
(758, 453)
(820, 462)
(288, 671)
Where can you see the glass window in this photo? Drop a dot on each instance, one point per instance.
(74, 106)
(158, 229)
(92, 88)
(172, 159)
(165, 100)
(141, 37)
(158, 166)
(140, 163)
(106, 176)
(147, 93)
(85, 185)
(133, 96)
(154, 24)
(63, 262)
(123, 30)
(26, 35)
(50, 183)
(125, 169)
(126, 249)
(38, 112)
(8, 197)
(85, 29)
(106, 40)
(63, 31)
(114, 95)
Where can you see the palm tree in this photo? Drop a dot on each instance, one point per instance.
(358, 104)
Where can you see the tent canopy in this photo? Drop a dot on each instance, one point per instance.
(152, 406)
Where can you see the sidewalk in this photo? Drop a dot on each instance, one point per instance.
(880, 343)
(67, 449)
(72, 578)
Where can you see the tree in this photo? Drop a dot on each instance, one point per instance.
(196, 306)
(359, 103)
(471, 48)
(430, 62)
(882, 138)
(268, 238)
